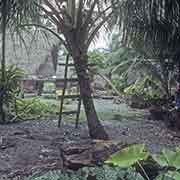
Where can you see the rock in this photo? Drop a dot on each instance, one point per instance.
(76, 155)
(76, 161)
(76, 149)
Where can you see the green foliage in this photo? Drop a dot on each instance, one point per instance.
(143, 88)
(49, 96)
(12, 83)
(95, 173)
(36, 107)
(170, 175)
(11, 88)
(49, 87)
(128, 156)
(169, 158)
(97, 57)
(113, 173)
(120, 83)
(143, 73)
(124, 162)
(131, 69)
(119, 60)
(136, 88)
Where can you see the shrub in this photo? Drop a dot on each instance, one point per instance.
(49, 87)
(11, 88)
(36, 106)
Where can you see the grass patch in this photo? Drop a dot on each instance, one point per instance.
(105, 116)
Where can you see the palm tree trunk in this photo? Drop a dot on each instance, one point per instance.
(96, 130)
(3, 68)
(178, 88)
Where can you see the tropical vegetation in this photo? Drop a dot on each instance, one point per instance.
(141, 60)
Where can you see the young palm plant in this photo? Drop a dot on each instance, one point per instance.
(79, 22)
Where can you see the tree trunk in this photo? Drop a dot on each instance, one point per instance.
(96, 130)
(165, 74)
(3, 68)
(178, 88)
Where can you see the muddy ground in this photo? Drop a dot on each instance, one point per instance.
(32, 146)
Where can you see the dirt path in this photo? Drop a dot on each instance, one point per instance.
(34, 145)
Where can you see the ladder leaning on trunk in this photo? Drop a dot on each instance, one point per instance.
(64, 96)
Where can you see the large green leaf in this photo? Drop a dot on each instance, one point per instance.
(169, 158)
(170, 175)
(128, 156)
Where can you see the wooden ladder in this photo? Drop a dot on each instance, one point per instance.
(64, 96)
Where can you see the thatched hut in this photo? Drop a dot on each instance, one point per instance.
(36, 55)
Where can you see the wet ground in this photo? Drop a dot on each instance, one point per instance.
(34, 145)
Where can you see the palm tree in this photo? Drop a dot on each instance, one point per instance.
(152, 26)
(77, 23)
(11, 12)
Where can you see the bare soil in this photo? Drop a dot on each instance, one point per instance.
(31, 146)
(35, 146)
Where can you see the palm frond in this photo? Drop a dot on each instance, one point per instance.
(155, 23)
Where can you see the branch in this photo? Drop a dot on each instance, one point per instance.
(49, 14)
(47, 29)
(111, 84)
(92, 35)
(89, 15)
(57, 4)
(53, 9)
(100, 14)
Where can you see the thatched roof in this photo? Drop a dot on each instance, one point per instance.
(35, 58)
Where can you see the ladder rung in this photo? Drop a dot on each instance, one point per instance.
(70, 96)
(69, 112)
(72, 64)
(63, 64)
(69, 79)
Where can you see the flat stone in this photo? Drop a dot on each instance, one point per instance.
(77, 155)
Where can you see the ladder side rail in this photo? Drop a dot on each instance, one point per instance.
(63, 91)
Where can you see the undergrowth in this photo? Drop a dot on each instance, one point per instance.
(92, 173)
